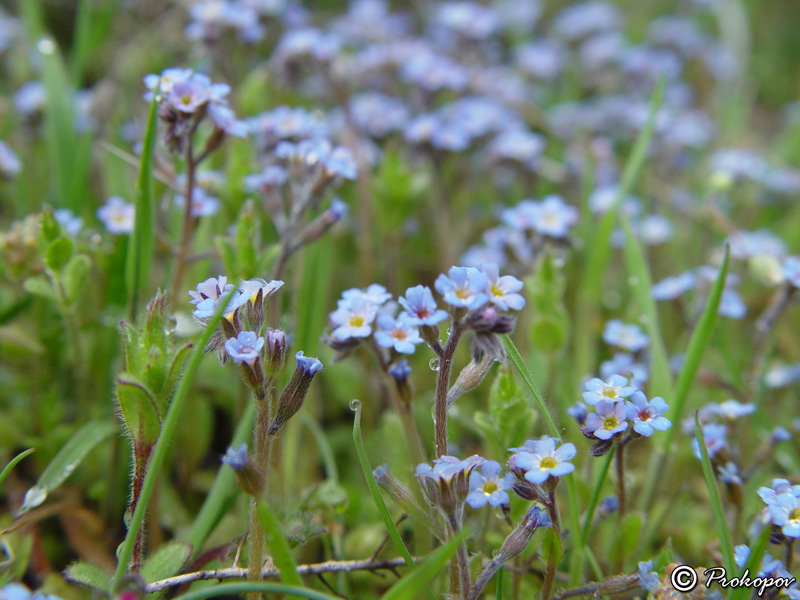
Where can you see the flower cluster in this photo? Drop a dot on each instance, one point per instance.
(782, 500)
(185, 98)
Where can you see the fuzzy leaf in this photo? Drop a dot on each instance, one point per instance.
(40, 286)
(58, 253)
(166, 561)
(139, 411)
(75, 276)
(628, 534)
(89, 575)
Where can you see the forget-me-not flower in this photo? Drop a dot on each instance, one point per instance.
(463, 287)
(614, 389)
(487, 486)
(647, 416)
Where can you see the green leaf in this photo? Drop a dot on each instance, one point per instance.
(14, 462)
(87, 574)
(40, 286)
(549, 332)
(598, 486)
(75, 275)
(416, 582)
(49, 228)
(639, 272)
(140, 251)
(237, 589)
(278, 546)
(58, 253)
(375, 491)
(165, 562)
(694, 356)
(165, 438)
(139, 411)
(64, 463)
(720, 523)
(552, 550)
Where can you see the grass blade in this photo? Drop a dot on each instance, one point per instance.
(417, 580)
(716, 502)
(14, 462)
(168, 430)
(572, 493)
(375, 491)
(599, 248)
(140, 249)
(237, 589)
(661, 380)
(694, 356)
(587, 524)
(65, 461)
(279, 547)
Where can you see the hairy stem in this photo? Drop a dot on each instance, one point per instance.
(188, 221)
(442, 387)
(552, 561)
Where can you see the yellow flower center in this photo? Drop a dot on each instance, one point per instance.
(462, 293)
(186, 99)
(795, 515)
(610, 423)
(490, 487)
(549, 463)
(496, 291)
(356, 321)
(399, 334)
(609, 392)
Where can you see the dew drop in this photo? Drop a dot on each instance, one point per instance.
(434, 364)
(171, 325)
(449, 330)
(355, 405)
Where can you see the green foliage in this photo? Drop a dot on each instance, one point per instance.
(545, 290)
(66, 461)
(89, 575)
(165, 562)
(510, 418)
(278, 546)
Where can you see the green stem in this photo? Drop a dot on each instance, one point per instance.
(165, 438)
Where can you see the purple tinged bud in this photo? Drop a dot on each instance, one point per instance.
(295, 392)
(277, 348)
(250, 480)
(400, 373)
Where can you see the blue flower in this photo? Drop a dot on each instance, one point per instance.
(502, 290)
(236, 457)
(733, 409)
(648, 579)
(245, 348)
(212, 288)
(626, 336)
(731, 305)
(419, 304)
(608, 421)
(270, 178)
(729, 473)
(375, 294)
(10, 165)
(17, 591)
(554, 218)
(117, 215)
(785, 513)
(353, 319)
(541, 459)
(463, 287)
(486, 486)
(203, 205)
(400, 334)
(400, 371)
(71, 224)
(615, 389)
(672, 287)
(307, 364)
(225, 120)
(647, 416)
(791, 270)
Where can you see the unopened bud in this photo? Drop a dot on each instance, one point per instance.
(469, 378)
(400, 373)
(277, 347)
(250, 480)
(488, 319)
(295, 392)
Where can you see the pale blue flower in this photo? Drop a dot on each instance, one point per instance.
(419, 304)
(245, 348)
(616, 388)
(307, 364)
(623, 363)
(715, 436)
(648, 579)
(554, 218)
(353, 319)
(117, 215)
(540, 459)
(203, 204)
(791, 270)
(672, 287)
(608, 421)
(785, 513)
(400, 334)
(71, 224)
(502, 290)
(463, 287)
(487, 486)
(647, 416)
(626, 336)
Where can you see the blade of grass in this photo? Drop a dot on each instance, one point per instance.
(14, 462)
(168, 430)
(417, 580)
(753, 564)
(237, 589)
(587, 523)
(598, 249)
(661, 380)
(140, 249)
(572, 492)
(279, 547)
(375, 491)
(716, 502)
(500, 579)
(694, 356)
